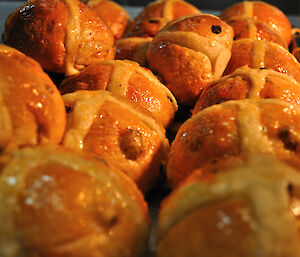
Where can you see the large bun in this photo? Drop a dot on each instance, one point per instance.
(111, 127)
(189, 52)
(247, 83)
(130, 80)
(57, 203)
(243, 210)
(63, 36)
(232, 131)
(261, 11)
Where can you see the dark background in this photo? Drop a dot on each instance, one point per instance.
(287, 6)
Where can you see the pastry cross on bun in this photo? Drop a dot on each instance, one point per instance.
(251, 84)
(31, 108)
(127, 79)
(123, 133)
(189, 52)
(261, 11)
(63, 36)
(58, 203)
(251, 209)
(255, 29)
(225, 133)
(156, 15)
(262, 54)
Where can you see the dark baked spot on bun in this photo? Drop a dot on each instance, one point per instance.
(290, 188)
(262, 68)
(216, 29)
(286, 137)
(153, 21)
(131, 144)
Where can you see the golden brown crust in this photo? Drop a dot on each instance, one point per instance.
(63, 36)
(232, 131)
(127, 79)
(247, 83)
(261, 11)
(32, 109)
(114, 15)
(156, 15)
(262, 54)
(248, 203)
(84, 205)
(255, 29)
(190, 52)
(122, 133)
(133, 48)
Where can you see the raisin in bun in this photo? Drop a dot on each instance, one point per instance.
(255, 29)
(262, 11)
(156, 15)
(134, 49)
(57, 203)
(63, 36)
(123, 133)
(247, 83)
(114, 15)
(262, 54)
(242, 211)
(128, 79)
(189, 52)
(31, 108)
(231, 131)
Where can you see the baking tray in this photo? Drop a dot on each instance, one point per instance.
(161, 190)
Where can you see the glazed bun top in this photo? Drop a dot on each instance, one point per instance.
(261, 11)
(63, 36)
(31, 108)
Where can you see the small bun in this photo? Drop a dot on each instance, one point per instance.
(249, 208)
(63, 36)
(232, 131)
(189, 52)
(156, 15)
(261, 11)
(57, 203)
(247, 83)
(130, 80)
(31, 108)
(111, 127)
(114, 15)
(134, 49)
(259, 54)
